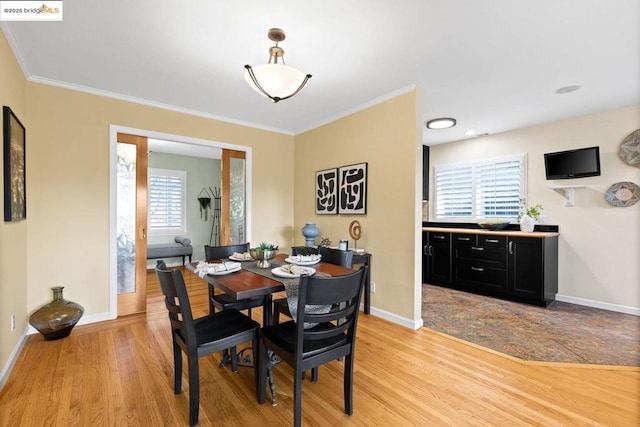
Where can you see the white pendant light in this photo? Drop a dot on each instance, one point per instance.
(275, 80)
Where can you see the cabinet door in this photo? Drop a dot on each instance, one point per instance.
(526, 267)
(425, 256)
(439, 258)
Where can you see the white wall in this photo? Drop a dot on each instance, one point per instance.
(599, 244)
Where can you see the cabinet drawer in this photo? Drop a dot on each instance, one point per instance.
(483, 255)
(493, 241)
(464, 239)
(478, 276)
(439, 237)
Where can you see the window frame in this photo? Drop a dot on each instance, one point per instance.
(474, 191)
(168, 231)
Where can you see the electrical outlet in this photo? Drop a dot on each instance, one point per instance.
(373, 287)
(13, 322)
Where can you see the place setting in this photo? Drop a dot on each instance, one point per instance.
(216, 268)
(292, 271)
(241, 256)
(304, 259)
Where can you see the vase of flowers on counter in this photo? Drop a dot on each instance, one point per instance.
(528, 216)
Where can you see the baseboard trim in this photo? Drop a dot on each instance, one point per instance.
(13, 357)
(599, 304)
(394, 318)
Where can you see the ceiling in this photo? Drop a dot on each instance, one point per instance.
(494, 65)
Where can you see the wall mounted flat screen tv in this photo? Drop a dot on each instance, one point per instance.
(578, 163)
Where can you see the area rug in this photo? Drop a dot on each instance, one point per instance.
(562, 332)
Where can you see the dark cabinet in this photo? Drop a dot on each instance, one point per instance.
(480, 261)
(519, 268)
(533, 269)
(436, 258)
(425, 172)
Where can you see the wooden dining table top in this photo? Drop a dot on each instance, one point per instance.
(245, 284)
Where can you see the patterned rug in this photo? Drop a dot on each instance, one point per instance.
(562, 332)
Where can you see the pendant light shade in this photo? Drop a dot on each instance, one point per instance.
(275, 80)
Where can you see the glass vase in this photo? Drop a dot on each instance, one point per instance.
(56, 319)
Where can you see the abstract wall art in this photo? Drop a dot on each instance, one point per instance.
(352, 190)
(327, 192)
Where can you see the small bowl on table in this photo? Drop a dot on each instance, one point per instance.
(493, 225)
(263, 256)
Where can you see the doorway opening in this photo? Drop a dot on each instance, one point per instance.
(184, 144)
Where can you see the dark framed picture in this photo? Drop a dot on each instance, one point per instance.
(352, 190)
(327, 192)
(15, 197)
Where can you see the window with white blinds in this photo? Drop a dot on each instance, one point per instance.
(489, 188)
(166, 201)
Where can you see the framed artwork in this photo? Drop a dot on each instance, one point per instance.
(352, 191)
(15, 199)
(327, 192)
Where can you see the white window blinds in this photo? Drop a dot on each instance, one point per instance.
(485, 189)
(166, 197)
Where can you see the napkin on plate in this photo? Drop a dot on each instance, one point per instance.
(305, 258)
(204, 268)
(241, 255)
(294, 269)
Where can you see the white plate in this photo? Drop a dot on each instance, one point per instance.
(292, 261)
(279, 273)
(240, 259)
(224, 272)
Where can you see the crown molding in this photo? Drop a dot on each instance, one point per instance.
(364, 106)
(148, 103)
(15, 47)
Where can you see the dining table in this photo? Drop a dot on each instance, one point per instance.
(251, 281)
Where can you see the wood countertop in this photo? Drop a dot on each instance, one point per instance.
(535, 234)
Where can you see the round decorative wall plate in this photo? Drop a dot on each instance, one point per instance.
(629, 150)
(623, 194)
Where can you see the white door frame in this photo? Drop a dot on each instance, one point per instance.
(113, 131)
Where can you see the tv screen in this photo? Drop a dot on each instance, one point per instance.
(578, 163)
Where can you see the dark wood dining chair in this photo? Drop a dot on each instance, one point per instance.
(202, 336)
(332, 337)
(303, 250)
(222, 301)
(329, 255)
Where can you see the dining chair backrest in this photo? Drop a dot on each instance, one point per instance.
(177, 302)
(303, 250)
(336, 256)
(219, 252)
(342, 293)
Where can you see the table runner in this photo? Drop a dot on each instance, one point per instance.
(291, 287)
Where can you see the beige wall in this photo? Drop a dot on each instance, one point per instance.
(388, 137)
(68, 183)
(13, 235)
(599, 244)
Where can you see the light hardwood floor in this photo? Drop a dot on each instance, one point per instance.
(119, 373)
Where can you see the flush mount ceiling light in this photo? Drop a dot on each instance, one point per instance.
(275, 80)
(441, 123)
